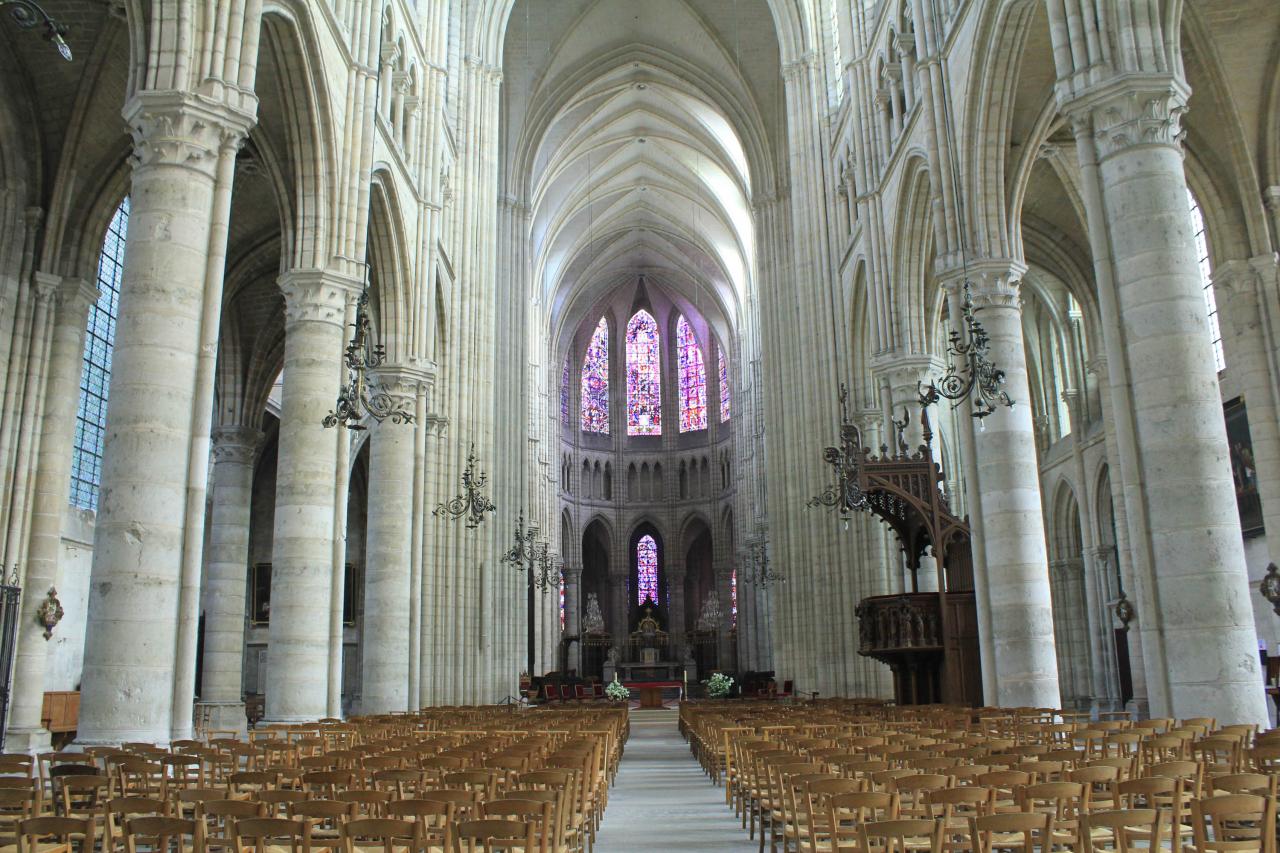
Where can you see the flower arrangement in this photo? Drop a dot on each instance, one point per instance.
(719, 685)
(617, 691)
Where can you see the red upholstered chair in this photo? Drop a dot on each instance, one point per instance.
(580, 692)
(597, 691)
(550, 693)
(566, 693)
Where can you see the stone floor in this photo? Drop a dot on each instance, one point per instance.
(662, 801)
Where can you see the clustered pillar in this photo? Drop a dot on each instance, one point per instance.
(302, 552)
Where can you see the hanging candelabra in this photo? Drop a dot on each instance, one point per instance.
(28, 15)
(970, 371)
(844, 494)
(527, 552)
(355, 399)
(472, 503)
(762, 573)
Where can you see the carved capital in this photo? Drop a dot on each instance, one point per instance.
(236, 444)
(182, 129)
(437, 425)
(994, 282)
(316, 296)
(1132, 111)
(75, 295)
(402, 384)
(46, 286)
(1271, 199)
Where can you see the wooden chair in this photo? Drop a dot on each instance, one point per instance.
(55, 835)
(16, 805)
(325, 817)
(368, 802)
(434, 819)
(489, 836)
(1233, 822)
(387, 835)
(271, 835)
(162, 835)
(120, 809)
(1121, 831)
(539, 813)
(217, 820)
(84, 797)
(900, 836)
(1011, 831)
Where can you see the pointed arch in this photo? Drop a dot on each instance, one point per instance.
(595, 381)
(644, 375)
(692, 378)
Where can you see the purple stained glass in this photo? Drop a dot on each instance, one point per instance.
(646, 569)
(725, 409)
(564, 394)
(562, 599)
(693, 379)
(644, 390)
(733, 595)
(595, 381)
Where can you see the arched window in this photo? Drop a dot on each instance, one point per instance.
(1206, 278)
(562, 600)
(564, 394)
(646, 569)
(733, 596)
(95, 374)
(837, 58)
(725, 408)
(595, 381)
(644, 390)
(693, 379)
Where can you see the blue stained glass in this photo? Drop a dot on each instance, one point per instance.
(644, 388)
(693, 379)
(564, 394)
(646, 569)
(595, 381)
(95, 377)
(725, 409)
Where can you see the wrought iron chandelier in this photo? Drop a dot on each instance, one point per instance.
(975, 374)
(762, 573)
(473, 503)
(28, 14)
(355, 399)
(527, 552)
(844, 494)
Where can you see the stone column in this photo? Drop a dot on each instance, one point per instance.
(385, 642)
(676, 573)
(235, 449)
(132, 621)
(1173, 442)
(725, 646)
(302, 553)
(1016, 570)
(53, 483)
(573, 614)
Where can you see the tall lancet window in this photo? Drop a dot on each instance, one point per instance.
(725, 408)
(595, 381)
(564, 394)
(1206, 278)
(693, 379)
(95, 373)
(646, 569)
(644, 390)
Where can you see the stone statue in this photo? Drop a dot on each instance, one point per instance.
(593, 621)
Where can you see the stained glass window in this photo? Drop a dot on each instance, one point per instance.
(562, 599)
(725, 409)
(1206, 279)
(733, 595)
(564, 394)
(646, 569)
(595, 381)
(95, 374)
(644, 391)
(693, 379)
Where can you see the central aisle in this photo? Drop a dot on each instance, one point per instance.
(662, 800)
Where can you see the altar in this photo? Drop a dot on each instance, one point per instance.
(660, 671)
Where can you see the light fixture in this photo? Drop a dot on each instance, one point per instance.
(355, 400)
(527, 552)
(762, 574)
(473, 503)
(975, 373)
(844, 494)
(28, 14)
(1270, 587)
